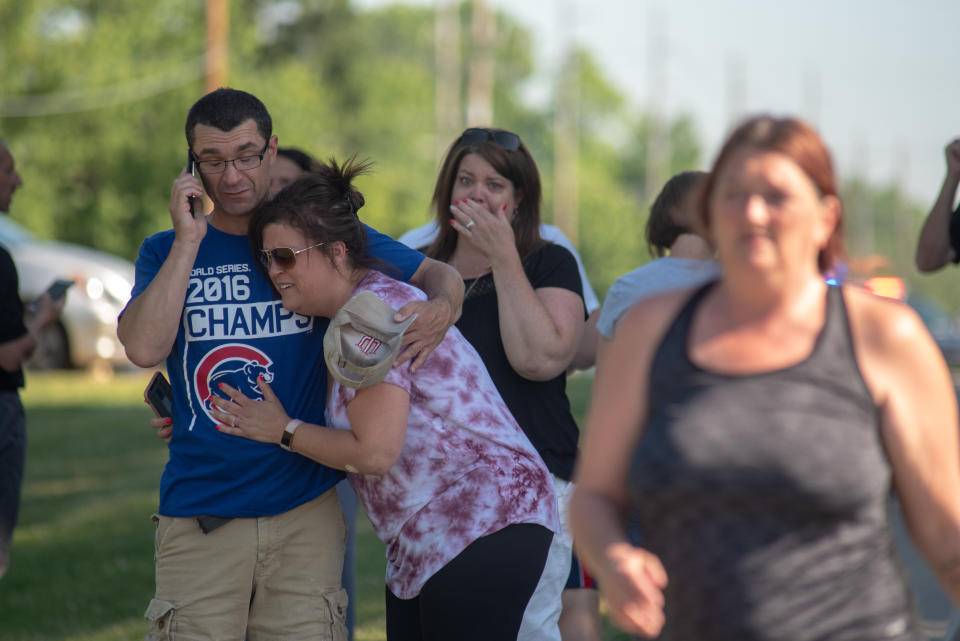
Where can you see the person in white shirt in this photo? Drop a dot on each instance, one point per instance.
(683, 258)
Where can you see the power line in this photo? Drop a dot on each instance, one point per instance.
(76, 101)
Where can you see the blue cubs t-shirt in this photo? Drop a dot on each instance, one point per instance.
(234, 330)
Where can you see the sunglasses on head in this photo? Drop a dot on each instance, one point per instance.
(285, 257)
(505, 139)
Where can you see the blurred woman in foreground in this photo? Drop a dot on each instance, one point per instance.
(757, 423)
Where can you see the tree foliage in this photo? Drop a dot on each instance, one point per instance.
(96, 92)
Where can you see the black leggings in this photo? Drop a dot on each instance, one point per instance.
(479, 595)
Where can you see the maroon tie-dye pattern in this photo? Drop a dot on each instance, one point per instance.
(466, 468)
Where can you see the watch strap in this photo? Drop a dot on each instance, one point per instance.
(288, 431)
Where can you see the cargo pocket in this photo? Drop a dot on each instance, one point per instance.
(337, 607)
(159, 616)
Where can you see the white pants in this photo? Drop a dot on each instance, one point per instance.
(543, 611)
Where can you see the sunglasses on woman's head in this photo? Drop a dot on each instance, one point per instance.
(285, 257)
(505, 139)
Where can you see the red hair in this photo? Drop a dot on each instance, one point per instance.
(796, 140)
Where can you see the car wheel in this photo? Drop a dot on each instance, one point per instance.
(53, 349)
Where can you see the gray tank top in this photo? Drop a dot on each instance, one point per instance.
(765, 497)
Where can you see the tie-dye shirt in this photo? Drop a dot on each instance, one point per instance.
(466, 469)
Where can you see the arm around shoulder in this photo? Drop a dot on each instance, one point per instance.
(444, 289)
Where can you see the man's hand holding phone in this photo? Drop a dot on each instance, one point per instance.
(189, 223)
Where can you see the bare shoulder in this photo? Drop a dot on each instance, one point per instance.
(893, 348)
(882, 323)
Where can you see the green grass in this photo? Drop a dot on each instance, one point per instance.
(82, 560)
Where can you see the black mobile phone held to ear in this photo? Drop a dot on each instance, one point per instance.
(192, 168)
(159, 395)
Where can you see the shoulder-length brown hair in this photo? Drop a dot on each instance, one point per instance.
(516, 166)
(798, 141)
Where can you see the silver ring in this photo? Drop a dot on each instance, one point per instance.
(470, 224)
(233, 422)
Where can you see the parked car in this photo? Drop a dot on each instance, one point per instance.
(87, 332)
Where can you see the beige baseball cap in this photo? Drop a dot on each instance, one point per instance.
(362, 341)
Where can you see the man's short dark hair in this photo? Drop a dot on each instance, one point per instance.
(227, 108)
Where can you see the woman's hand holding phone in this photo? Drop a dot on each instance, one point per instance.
(159, 396)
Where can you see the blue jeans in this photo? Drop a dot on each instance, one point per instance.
(13, 451)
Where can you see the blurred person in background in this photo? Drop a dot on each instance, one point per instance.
(756, 426)
(289, 165)
(523, 311)
(681, 257)
(939, 241)
(18, 339)
(250, 537)
(450, 482)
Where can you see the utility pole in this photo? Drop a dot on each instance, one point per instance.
(483, 31)
(218, 33)
(658, 137)
(811, 96)
(448, 83)
(736, 91)
(566, 146)
(901, 214)
(566, 138)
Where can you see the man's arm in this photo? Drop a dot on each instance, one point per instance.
(444, 289)
(933, 247)
(148, 327)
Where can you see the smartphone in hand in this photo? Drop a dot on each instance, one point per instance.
(159, 395)
(56, 290)
(192, 168)
(59, 288)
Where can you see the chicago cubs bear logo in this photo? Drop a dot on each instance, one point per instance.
(235, 364)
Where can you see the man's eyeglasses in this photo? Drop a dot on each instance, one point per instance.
(505, 139)
(285, 257)
(243, 163)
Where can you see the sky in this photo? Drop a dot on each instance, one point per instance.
(880, 79)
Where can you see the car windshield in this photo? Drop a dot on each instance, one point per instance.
(12, 234)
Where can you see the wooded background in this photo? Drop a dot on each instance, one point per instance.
(95, 93)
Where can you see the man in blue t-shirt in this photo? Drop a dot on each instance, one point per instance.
(250, 536)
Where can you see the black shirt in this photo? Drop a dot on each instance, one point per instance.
(540, 407)
(11, 317)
